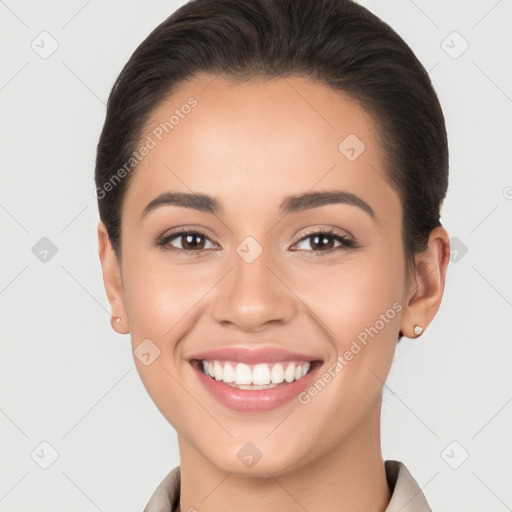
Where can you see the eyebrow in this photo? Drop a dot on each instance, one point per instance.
(291, 204)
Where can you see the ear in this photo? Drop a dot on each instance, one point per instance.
(112, 281)
(427, 286)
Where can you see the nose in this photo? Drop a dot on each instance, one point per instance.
(254, 296)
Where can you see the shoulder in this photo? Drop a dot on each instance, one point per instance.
(407, 495)
(167, 494)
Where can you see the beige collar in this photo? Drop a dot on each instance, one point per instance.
(406, 493)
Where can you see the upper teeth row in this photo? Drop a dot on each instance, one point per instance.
(260, 374)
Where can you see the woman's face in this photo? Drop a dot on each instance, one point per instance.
(258, 275)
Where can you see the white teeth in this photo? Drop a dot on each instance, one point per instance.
(217, 369)
(243, 374)
(277, 374)
(229, 373)
(289, 373)
(259, 376)
(252, 387)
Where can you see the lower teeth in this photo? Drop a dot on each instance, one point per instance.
(252, 386)
(249, 387)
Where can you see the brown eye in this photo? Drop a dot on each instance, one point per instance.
(322, 242)
(192, 242)
(186, 241)
(325, 242)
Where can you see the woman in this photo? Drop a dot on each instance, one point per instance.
(270, 176)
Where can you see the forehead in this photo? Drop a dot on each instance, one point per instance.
(245, 141)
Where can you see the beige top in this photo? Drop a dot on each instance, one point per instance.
(406, 493)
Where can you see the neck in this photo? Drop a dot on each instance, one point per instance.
(349, 477)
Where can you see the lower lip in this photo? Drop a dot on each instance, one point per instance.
(243, 400)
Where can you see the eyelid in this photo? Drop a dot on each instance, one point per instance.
(345, 239)
(164, 239)
(325, 230)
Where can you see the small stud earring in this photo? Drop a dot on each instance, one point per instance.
(118, 319)
(418, 330)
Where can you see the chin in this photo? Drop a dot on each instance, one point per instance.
(252, 459)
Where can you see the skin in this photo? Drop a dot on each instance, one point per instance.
(250, 145)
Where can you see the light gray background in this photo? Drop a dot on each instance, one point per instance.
(67, 379)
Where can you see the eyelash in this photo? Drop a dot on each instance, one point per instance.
(347, 243)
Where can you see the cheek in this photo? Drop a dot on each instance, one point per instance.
(360, 307)
(352, 296)
(160, 303)
(158, 295)
(370, 302)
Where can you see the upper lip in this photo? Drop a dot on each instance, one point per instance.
(251, 356)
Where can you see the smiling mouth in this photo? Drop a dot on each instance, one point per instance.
(255, 376)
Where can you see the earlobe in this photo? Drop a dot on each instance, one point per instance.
(430, 276)
(118, 326)
(112, 281)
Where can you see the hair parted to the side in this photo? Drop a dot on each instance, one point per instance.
(335, 42)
